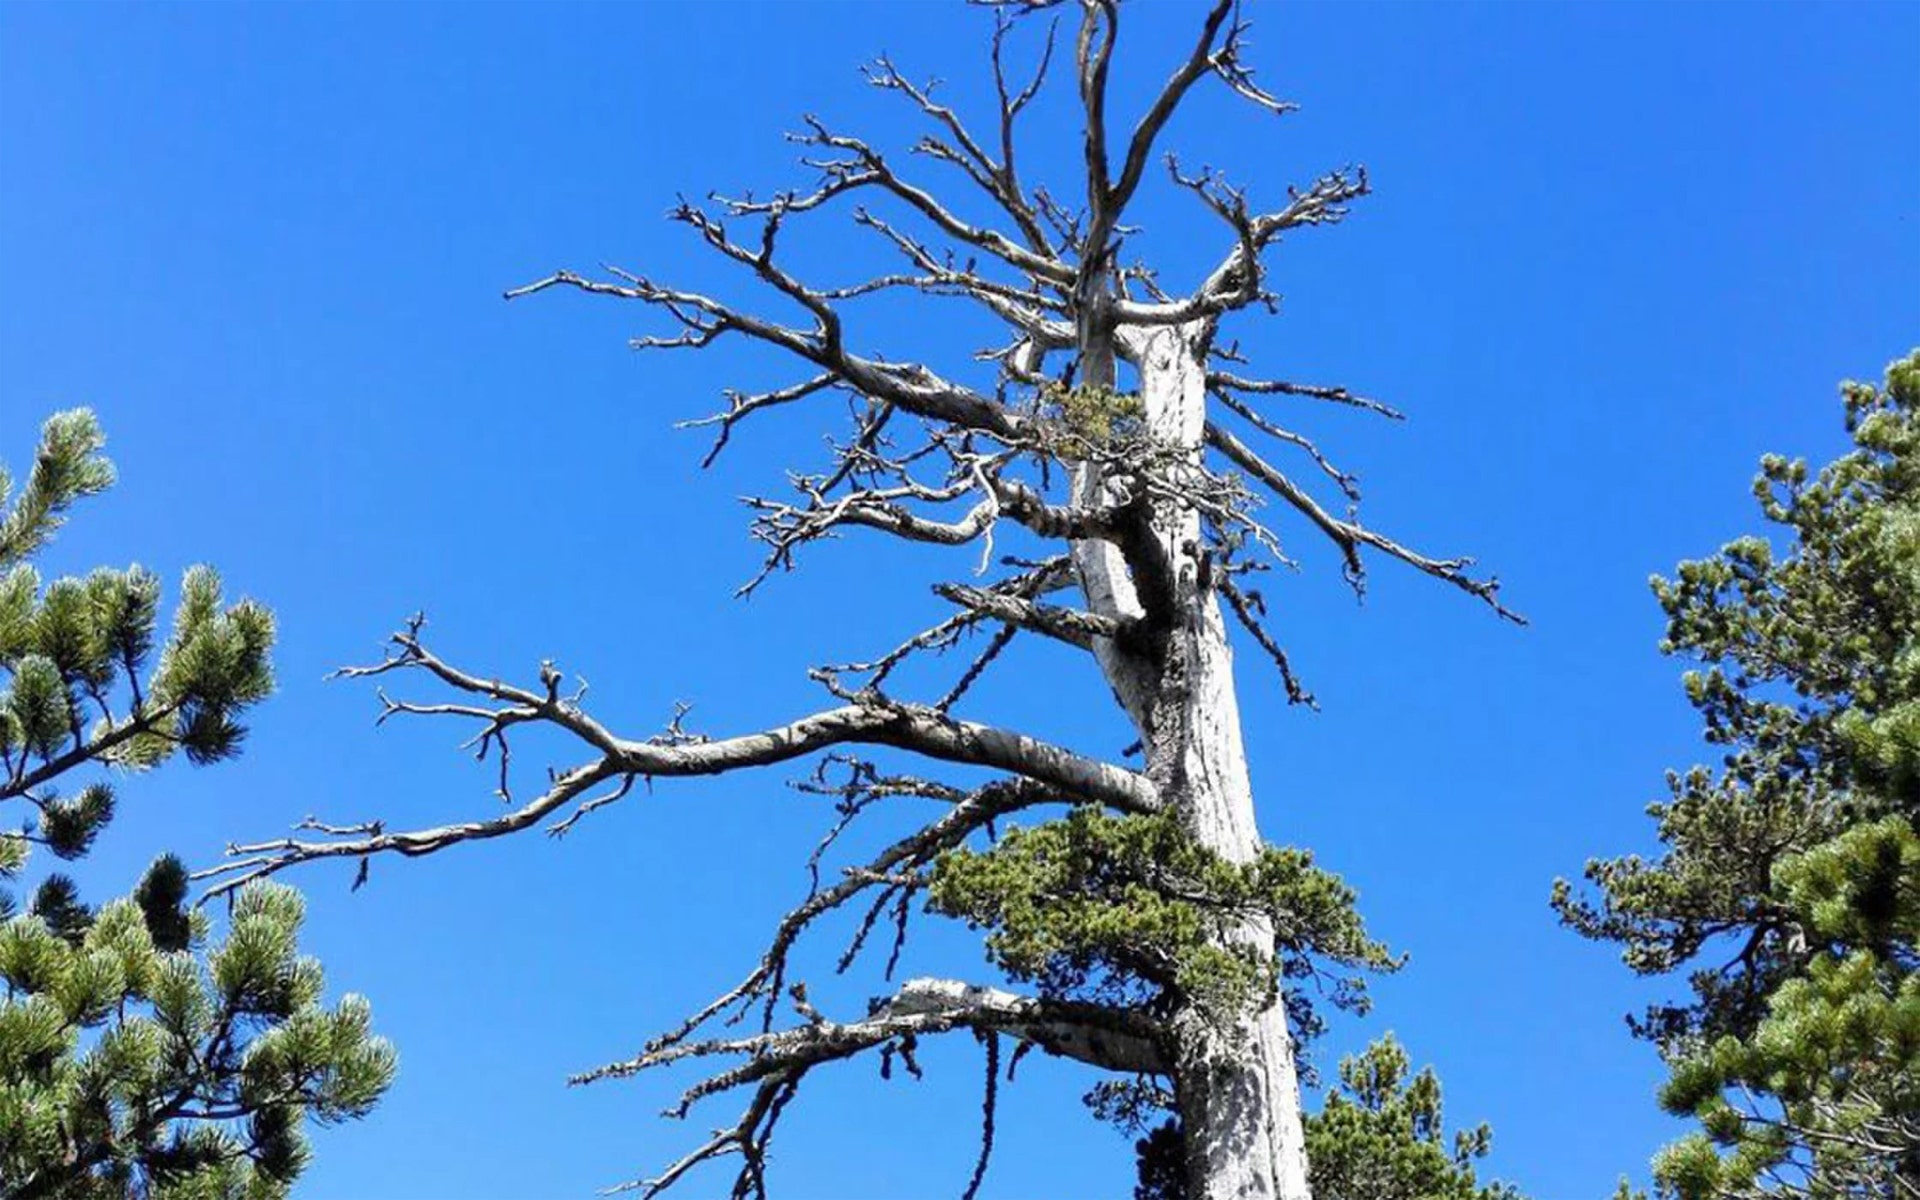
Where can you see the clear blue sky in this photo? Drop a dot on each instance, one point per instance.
(1616, 253)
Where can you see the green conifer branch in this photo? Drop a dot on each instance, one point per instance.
(137, 1056)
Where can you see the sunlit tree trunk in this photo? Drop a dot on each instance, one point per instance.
(1238, 1087)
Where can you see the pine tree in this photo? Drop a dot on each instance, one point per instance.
(1789, 882)
(135, 1057)
(1381, 1136)
(1155, 936)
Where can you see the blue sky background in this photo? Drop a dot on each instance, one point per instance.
(1617, 252)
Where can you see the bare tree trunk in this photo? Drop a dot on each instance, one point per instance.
(1238, 1088)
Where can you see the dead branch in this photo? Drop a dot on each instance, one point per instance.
(774, 1062)
(1350, 536)
(1115, 1039)
(1347, 482)
(871, 718)
(1072, 626)
(969, 812)
(1222, 383)
(1250, 610)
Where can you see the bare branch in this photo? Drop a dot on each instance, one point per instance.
(1224, 381)
(1010, 108)
(261, 859)
(988, 1104)
(1350, 536)
(740, 406)
(887, 503)
(1249, 608)
(1072, 626)
(618, 793)
(866, 167)
(1115, 1039)
(1099, 24)
(969, 812)
(978, 667)
(1200, 62)
(1235, 283)
(774, 1062)
(911, 387)
(870, 719)
(917, 728)
(1347, 483)
(1041, 578)
(747, 1138)
(996, 179)
(1025, 309)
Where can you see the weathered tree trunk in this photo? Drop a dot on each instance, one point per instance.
(1236, 1081)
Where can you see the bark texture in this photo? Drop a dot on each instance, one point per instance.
(1237, 1084)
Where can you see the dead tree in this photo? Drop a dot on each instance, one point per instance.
(1151, 498)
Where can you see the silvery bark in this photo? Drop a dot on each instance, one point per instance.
(1235, 1079)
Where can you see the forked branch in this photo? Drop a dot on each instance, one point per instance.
(870, 718)
(1351, 536)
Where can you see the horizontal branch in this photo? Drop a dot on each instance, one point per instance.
(881, 722)
(1226, 381)
(775, 1062)
(1113, 1039)
(258, 860)
(1073, 626)
(869, 718)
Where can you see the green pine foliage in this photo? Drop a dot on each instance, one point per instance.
(1381, 1136)
(1838, 1052)
(88, 678)
(128, 1068)
(1789, 883)
(68, 467)
(1098, 415)
(135, 1057)
(1131, 909)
